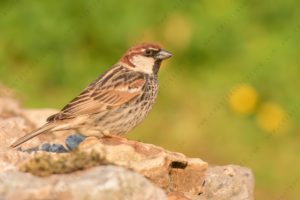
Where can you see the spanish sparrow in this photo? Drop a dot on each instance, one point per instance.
(114, 103)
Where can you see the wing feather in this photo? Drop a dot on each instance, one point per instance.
(104, 94)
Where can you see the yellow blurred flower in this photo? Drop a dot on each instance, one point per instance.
(243, 99)
(271, 118)
(177, 31)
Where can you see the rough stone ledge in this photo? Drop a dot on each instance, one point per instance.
(179, 176)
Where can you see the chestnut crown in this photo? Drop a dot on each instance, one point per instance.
(145, 57)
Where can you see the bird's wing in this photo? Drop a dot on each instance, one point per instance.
(114, 88)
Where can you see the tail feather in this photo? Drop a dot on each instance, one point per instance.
(45, 128)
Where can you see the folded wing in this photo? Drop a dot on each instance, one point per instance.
(111, 90)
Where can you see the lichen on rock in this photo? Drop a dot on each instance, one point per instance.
(46, 164)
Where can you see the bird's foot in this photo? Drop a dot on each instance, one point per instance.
(71, 143)
(74, 140)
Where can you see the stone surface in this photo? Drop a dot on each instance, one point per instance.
(106, 182)
(15, 122)
(179, 196)
(179, 176)
(169, 170)
(228, 182)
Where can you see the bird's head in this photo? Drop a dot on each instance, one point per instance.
(145, 58)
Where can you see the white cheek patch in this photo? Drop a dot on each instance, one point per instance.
(143, 64)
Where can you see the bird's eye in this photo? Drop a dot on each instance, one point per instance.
(148, 52)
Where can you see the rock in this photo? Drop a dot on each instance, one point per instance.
(15, 122)
(177, 196)
(168, 170)
(105, 182)
(9, 107)
(228, 182)
(182, 178)
(38, 116)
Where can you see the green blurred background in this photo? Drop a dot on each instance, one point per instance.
(229, 94)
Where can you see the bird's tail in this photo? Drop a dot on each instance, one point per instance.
(45, 128)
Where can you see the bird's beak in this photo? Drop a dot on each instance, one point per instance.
(163, 54)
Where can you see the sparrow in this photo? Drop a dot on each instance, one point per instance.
(116, 102)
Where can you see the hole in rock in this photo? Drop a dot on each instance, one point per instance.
(178, 164)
